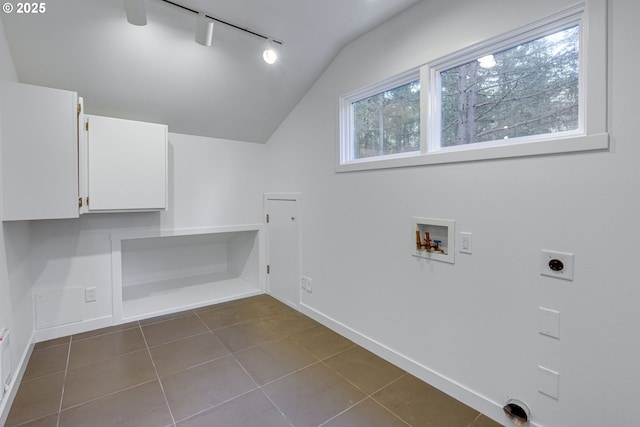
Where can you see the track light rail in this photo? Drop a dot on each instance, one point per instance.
(227, 23)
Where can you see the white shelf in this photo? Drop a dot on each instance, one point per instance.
(158, 272)
(155, 299)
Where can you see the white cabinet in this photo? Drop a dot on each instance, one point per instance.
(39, 142)
(126, 165)
(54, 161)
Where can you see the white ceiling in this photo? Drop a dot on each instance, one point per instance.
(158, 73)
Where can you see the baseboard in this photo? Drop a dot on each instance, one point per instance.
(458, 391)
(72, 328)
(5, 405)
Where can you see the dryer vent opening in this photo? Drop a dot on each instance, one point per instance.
(517, 412)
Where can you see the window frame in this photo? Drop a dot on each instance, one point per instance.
(346, 146)
(592, 115)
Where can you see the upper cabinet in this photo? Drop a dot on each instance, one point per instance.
(39, 142)
(58, 162)
(126, 165)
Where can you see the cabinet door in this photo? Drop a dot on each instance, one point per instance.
(38, 135)
(127, 165)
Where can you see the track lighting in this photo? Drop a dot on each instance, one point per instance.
(136, 13)
(204, 30)
(270, 55)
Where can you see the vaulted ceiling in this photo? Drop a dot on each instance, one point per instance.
(158, 73)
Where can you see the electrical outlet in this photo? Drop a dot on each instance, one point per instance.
(89, 294)
(465, 242)
(556, 264)
(305, 283)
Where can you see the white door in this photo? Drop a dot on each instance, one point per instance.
(283, 249)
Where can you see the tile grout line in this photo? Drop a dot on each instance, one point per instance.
(213, 332)
(260, 387)
(344, 410)
(113, 393)
(179, 339)
(385, 407)
(104, 334)
(276, 406)
(475, 419)
(217, 405)
(164, 395)
(64, 382)
(367, 395)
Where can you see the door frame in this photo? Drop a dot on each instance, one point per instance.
(291, 197)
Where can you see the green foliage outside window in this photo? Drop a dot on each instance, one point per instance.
(530, 89)
(388, 122)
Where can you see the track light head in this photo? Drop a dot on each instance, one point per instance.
(136, 12)
(270, 55)
(204, 30)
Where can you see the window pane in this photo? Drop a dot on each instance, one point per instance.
(387, 123)
(530, 89)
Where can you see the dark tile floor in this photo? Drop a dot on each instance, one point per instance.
(248, 363)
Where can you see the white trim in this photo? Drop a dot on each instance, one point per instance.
(567, 145)
(432, 73)
(72, 328)
(9, 396)
(345, 105)
(434, 378)
(592, 129)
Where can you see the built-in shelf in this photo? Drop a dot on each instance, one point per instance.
(165, 271)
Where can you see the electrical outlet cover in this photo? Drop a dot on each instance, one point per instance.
(556, 264)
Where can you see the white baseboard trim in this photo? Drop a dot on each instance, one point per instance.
(72, 328)
(5, 405)
(456, 390)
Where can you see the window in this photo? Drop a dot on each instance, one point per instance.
(382, 120)
(388, 122)
(529, 89)
(521, 93)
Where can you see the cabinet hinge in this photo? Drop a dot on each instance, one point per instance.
(86, 125)
(79, 108)
(79, 202)
(268, 268)
(267, 218)
(87, 200)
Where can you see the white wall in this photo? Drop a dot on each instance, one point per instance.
(471, 328)
(212, 182)
(16, 312)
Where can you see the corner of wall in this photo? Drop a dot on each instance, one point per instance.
(21, 332)
(7, 67)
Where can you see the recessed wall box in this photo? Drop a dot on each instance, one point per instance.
(433, 238)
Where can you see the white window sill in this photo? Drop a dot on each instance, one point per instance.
(470, 153)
